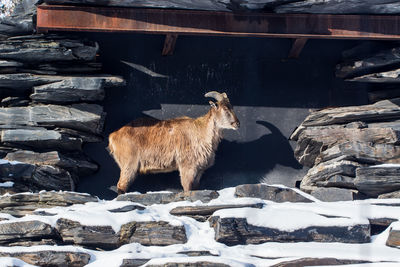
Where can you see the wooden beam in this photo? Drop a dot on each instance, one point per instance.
(189, 22)
(297, 47)
(169, 44)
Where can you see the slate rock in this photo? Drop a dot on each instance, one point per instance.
(312, 141)
(362, 152)
(164, 198)
(382, 221)
(21, 82)
(127, 208)
(201, 213)
(53, 178)
(21, 19)
(82, 117)
(391, 76)
(393, 239)
(152, 233)
(196, 4)
(267, 192)
(40, 138)
(23, 231)
(236, 231)
(76, 163)
(379, 111)
(37, 50)
(190, 264)
(73, 232)
(65, 67)
(374, 181)
(14, 102)
(317, 262)
(16, 170)
(133, 262)
(331, 174)
(340, 7)
(383, 59)
(395, 194)
(25, 203)
(332, 194)
(51, 258)
(70, 90)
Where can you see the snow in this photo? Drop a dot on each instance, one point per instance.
(387, 165)
(7, 7)
(4, 161)
(282, 216)
(7, 184)
(8, 261)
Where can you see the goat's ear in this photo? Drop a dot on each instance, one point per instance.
(212, 104)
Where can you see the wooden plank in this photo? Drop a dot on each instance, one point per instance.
(164, 21)
(297, 47)
(169, 44)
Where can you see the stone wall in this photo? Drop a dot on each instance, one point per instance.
(354, 151)
(50, 88)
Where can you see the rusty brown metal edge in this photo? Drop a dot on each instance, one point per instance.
(44, 11)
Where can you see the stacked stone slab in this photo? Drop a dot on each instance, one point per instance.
(354, 152)
(50, 86)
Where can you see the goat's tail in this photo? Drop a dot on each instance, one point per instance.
(111, 142)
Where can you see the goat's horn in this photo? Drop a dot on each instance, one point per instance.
(216, 95)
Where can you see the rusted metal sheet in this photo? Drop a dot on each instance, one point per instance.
(184, 22)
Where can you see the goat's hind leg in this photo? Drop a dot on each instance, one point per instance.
(127, 176)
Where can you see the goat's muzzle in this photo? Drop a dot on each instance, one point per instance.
(236, 125)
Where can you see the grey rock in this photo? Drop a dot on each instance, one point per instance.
(381, 94)
(82, 117)
(196, 4)
(20, 21)
(395, 194)
(332, 194)
(21, 204)
(25, 81)
(197, 253)
(312, 141)
(393, 239)
(191, 264)
(23, 231)
(380, 111)
(14, 101)
(374, 181)
(41, 242)
(317, 262)
(70, 90)
(34, 49)
(391, 76)
(73, 232)
(152, 233)
(51, 258)
(16, 170)
(53, 178)
(66, 68)
(201, 213)
(127, 208)
(362, 152)
(146, 233)
(341, 7)
(133, 262)
(267, 192)
(40, 138)
(84, 136)
(331, 174)
(383, 59)
(235, 231)
(382, 221)
(77, 163)
(164, 198)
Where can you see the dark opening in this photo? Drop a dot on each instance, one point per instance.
(271, 95)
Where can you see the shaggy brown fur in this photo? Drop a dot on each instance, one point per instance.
(184, 144)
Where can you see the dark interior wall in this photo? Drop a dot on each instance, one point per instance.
(271, 95)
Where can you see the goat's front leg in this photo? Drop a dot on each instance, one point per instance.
(188, 176)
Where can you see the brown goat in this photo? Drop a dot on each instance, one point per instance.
(184, 144)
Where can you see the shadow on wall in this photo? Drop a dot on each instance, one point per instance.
(238, 163)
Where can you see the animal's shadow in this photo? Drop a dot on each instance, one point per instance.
(236, 163)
